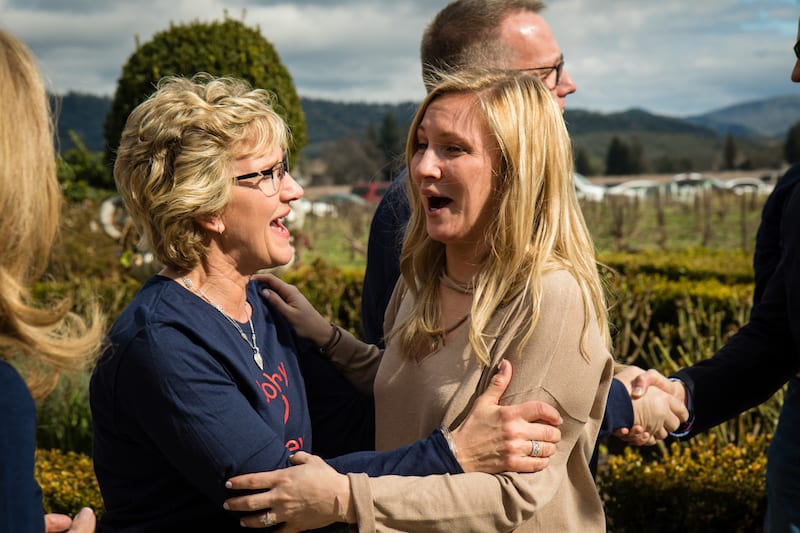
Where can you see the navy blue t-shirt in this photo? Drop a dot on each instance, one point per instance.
(179, 406)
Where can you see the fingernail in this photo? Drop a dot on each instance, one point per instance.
(228, 485)
(265, 293)
(226, 506)
(637, 390)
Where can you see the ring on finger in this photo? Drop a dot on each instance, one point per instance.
(536, 448)
(269, 519)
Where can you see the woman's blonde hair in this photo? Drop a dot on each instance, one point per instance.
(175, 156)
(537, 227)
(44, 340)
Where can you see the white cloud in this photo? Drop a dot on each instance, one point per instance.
(675, 57)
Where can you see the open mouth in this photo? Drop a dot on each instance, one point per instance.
(278, 225)
(438, 202)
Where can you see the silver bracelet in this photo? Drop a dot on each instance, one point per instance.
(451, 443)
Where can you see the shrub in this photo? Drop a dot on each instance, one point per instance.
(727, 266)
(334, 292)
(67, 481)
(64, 420)
(696, 486)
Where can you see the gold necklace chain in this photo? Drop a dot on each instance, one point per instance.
(254, 344)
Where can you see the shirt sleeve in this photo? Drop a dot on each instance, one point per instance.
(550, 367)
(383, 258)
(191, 408)
(427, 456)
(619, 410)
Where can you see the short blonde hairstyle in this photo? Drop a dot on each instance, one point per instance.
(48, 339)
(538, 225)
(175, 156)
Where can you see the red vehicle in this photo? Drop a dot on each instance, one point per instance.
(371, 191)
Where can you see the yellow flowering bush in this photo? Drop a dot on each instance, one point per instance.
(697, 486)
(68, 482)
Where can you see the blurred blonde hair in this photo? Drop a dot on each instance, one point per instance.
(538, 226)
(45, 340)
(174, 161)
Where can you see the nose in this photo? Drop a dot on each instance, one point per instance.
(290, 189)
(567, 85)
(796, 72)
(425, 164)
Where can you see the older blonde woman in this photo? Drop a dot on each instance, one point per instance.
(497, 263)
(40, 340)
(201, 380)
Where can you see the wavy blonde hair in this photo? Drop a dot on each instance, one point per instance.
(538, 225)
(43, 340)
(174, 161)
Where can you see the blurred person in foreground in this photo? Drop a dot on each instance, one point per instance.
(512, 35)
(201, 379)
(40, 341)
(763, 355)
(497, 265)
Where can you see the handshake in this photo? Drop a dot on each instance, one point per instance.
(659, 405)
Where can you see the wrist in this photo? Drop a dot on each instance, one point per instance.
(332, 336)
(343, 506)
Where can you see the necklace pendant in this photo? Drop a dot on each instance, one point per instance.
(257, 358)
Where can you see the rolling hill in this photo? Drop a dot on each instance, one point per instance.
(759, 128)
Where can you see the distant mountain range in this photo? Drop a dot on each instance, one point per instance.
(758, 121)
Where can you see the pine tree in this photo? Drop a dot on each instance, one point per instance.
(791, 148)
(729, 153)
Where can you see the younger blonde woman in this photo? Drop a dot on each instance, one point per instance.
(497, 264)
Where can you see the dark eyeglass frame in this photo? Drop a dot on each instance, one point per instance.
(544, 72)
(797, 49)
(275, 175)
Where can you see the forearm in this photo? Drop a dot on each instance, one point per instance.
(741, 375)
(427, 456)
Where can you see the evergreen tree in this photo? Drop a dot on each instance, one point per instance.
(617, 157)
(227, 48)
(582, 163)
(391, 145)
(791, 148)
(729, 153)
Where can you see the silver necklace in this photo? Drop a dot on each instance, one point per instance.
(254, 344)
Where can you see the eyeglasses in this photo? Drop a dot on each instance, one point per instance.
(545, 72)
(797, 49)
(271, 178)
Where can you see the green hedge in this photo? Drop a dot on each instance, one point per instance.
(698, 486)
(68, 482)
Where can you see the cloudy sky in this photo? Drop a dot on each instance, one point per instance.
(675, 57)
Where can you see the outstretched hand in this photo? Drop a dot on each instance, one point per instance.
(290, 302)
(497, 438)
(658, 410)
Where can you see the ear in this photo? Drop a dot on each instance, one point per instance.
(212, 224)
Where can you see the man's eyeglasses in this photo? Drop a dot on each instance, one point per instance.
(271, 178)
(545, 72)
(797, 49)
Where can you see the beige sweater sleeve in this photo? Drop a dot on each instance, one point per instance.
(359, 361)
(551, 368)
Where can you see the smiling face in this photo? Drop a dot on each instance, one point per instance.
(254, 235)
(452, 168)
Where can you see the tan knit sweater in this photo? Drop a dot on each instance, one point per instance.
(413, 398)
